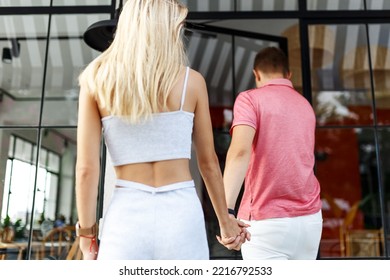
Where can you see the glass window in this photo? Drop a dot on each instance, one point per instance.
(21, 77)
(209, 5)
(384, 142)
(68, 55)
(321, 47)
(335, 5)
(245, 52)
(380, 57)
(19, 3)
(81, 2)
(61, 158)
(11, 146)
(20, 171)
(218, 56)
(53, 162)
(340, 96)
(267, 5)
(346, 167)
(23, 150)
(17, 173)
(378, 5)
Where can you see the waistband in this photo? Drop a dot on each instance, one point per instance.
(147, 188)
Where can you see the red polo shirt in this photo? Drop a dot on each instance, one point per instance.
(280, 181)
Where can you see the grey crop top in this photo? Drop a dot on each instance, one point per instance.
(167, 135)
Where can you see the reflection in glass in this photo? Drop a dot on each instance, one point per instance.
(321, 48)
(68, 55)
(267, 5)
(209, 5)
(378, 5)
(384, 142)
(335, 5)
(17, 172)
(60, 163)
(346, 166)
(380, 54)
(218, 56)
(339, 95)
(20, 3)
(21, 80)
(55, 176)
(245, 52)
(80, 2)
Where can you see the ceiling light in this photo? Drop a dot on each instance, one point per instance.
(100, 35)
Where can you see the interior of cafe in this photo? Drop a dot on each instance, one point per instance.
(339, 55)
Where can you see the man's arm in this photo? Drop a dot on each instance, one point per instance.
(237, 161)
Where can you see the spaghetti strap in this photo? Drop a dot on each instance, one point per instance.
(183, 95)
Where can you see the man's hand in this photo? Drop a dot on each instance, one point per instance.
(234, 243)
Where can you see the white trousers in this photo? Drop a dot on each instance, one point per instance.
(296, 238)
(145, 223)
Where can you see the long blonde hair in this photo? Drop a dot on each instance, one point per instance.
(134, 76)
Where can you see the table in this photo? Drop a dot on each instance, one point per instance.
(21, 246)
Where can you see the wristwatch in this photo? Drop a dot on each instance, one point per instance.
(86, 231)
(232, 211)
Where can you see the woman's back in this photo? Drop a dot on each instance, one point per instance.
(155, 152)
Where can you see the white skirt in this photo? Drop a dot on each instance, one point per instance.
(148, 223)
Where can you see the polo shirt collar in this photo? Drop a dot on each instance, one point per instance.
(279, 81)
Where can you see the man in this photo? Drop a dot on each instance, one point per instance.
(272, 148)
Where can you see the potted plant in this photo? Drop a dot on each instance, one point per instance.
(8, 232)
(19, 229)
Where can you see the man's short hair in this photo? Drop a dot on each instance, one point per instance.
(272, 60)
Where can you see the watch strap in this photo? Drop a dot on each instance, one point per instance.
(86, 231)
(232, 212)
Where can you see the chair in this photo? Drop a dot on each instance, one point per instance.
(359, 242)
(364, 242)
(3, 254)
(355, 242)
(56, 244)
(75, 252)
(346, 225)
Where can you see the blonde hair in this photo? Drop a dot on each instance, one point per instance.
(134, 76)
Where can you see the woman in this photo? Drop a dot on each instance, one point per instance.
(149, 106)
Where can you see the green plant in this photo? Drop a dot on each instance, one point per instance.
(41, 218)
(7, 222)
(19, 229)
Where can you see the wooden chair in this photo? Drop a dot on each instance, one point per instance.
(359, 242)
(346, 226)
(3, 254)
(355, 242)
(364, 242)
(75, 252)
(56, 244)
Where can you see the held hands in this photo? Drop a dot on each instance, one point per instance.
(234, 234)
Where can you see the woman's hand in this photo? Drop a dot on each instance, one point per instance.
(234, 234)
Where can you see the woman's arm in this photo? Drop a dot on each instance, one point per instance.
(208, 161)
(87, 166)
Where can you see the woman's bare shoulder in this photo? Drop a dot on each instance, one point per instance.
(195, 75)
(196, 81)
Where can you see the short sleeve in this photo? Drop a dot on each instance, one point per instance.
(244, 111)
